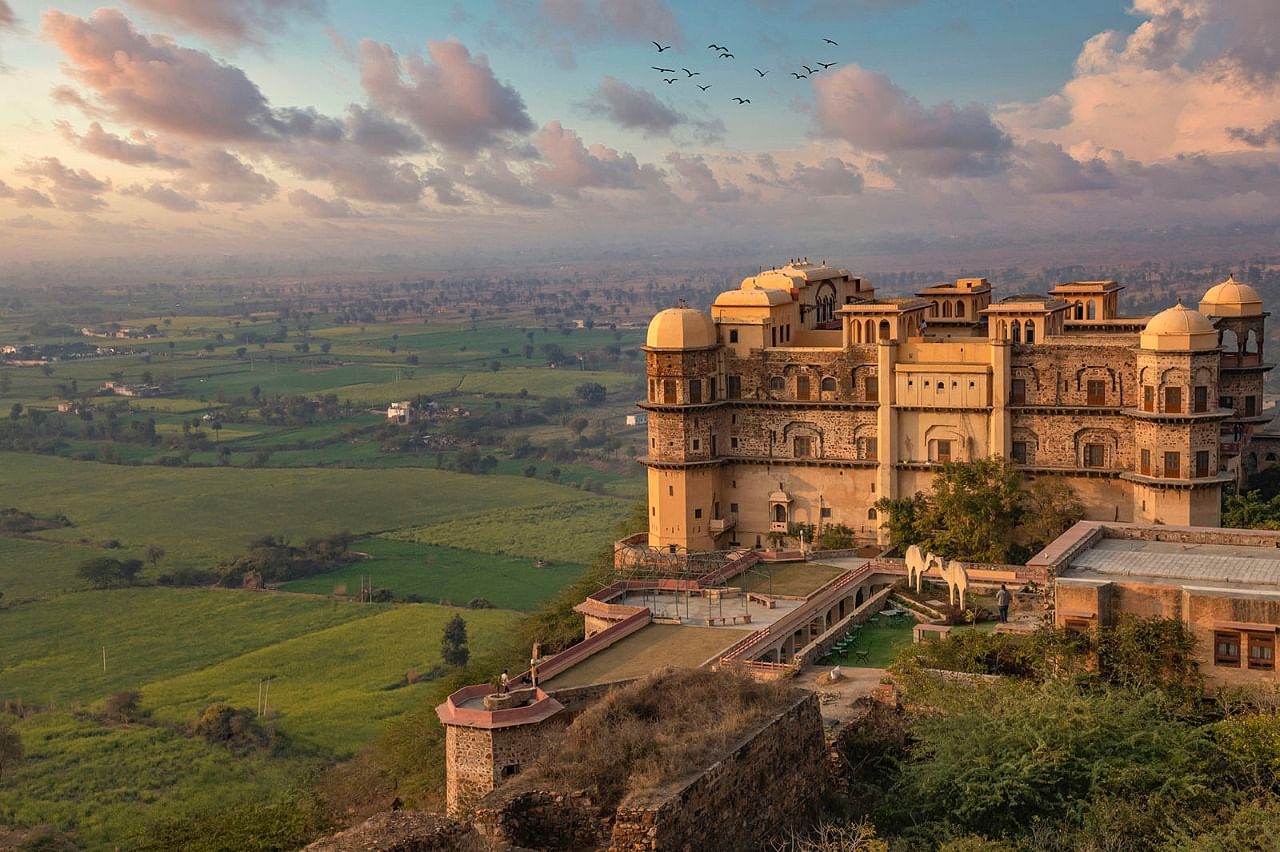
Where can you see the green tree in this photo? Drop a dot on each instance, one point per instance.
(154, 554)
(1050, 507)
(104, 572)
(1251, 511)
(453, 646)
(592, 393)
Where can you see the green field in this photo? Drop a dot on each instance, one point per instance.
(444, 573)
(339, 674)
(105, 782)
(207, 514)
(32, 569)
(569, 531)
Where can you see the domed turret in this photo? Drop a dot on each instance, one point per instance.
(1231, 299)
(681, 328)
(1179, 329)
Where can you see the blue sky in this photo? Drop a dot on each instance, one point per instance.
(544, 122)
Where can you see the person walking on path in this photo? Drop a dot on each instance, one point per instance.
(1002, 603)
(504, 682)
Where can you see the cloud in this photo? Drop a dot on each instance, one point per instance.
(558, 25)
(321, 208)
(601, 20)
(452, 98)
(1188, 70)
(443, 188)
(6, 191)
(568, 166)
(1044, 168)
(833, 176)
(29, 197)
(152, 81)
(493, 177)
(8, 20)
(355, 174)
(231, 21)
(378, 134)
(72, 189)
(639, 109)
(140, 151)
(867, 110)
(699, 178)
(1260, 138)
(28, 221)
(164, 196)
(222, 178)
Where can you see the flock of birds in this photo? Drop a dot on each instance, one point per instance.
(724, 53)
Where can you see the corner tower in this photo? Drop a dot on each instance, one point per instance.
(1175, 424)
(1241, 323)
(685, 388)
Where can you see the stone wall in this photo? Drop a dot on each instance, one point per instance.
(541, 820)
(765, 786)
(479, 759)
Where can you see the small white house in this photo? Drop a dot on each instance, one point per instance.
(641, 419)
(400, 412)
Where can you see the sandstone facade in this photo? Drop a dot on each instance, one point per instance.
(775, 412)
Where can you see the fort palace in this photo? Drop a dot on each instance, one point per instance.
(802, 399)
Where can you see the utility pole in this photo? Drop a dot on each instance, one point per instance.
(104, 658)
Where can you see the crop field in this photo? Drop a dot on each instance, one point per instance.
(444, 574)
(569, 531)
(31, 569)
(205, 514)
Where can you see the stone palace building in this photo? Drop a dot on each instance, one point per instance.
(803, 399)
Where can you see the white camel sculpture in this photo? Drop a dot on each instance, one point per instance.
(953, 573)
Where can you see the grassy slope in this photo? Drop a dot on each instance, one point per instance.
(334, 664)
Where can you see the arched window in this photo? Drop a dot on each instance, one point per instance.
(779, 514)
(1031, 332)
(1230, 341)
(946, 309)
(1015, 330)
(1092, 310)
(871, 331)
(1251, 343)
(828, 385)
(1079, 310)
(777, 383)
(871, 514)
(959, 308)
(857, 332)
(884, 329)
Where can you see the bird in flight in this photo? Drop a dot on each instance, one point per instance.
(660, 47)
(663, 70)
(691, 73)
(799, 76)
(807, 68)
(716, 47)
(758, 71)
(829, 41)
(670, 80)
(727, 56)
(704, 88)
(743, 100)
(826, 64)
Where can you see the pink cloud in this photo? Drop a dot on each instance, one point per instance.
(701, 181)
(141, 150)
(451, 97)
(163, 196)
(569, 166)
(871, 113)
(232, 21)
